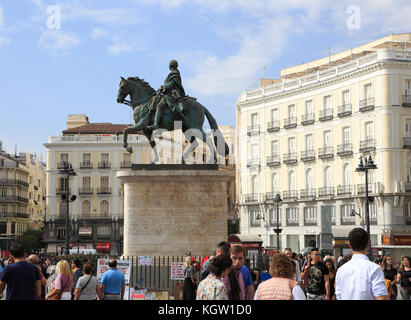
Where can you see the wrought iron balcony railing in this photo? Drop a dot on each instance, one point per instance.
(290, 157)
(308, 118)
(86, 165)
(273, 126)
(104, 190)
(290, 194)
(326, 152)
(104, 165)
(347, 220)
(273, 160)
(326, 192)
(290, 122)
(13, 182)
(367, 104)
(253, 130)
(88, 191)
(367, 145)
(344, 110)
(406, 101)
(307, 155)
(407, 142)
(345, 149)
(345, 190)
(308, 193)
(310, 221)
(125, 164)
(270, 196)
(255, 162)
(361, 188)
(326, 114)
(251, 197)
(64, 165)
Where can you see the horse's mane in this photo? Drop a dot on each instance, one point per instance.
(145, 84)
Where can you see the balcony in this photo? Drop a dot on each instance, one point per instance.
(86, 165)
(253, 130)
(290, 158)
(373, 220)
(14, 199)
(407, 143)
(273, 221)
(406, 101)
(273, 160)
(253, 163)
(62, 190)
(290, 122)
(14, 215)
(290, 195)
(13, 182)
(310, 221)
(326, 114)
(345, 190)
(64, 165)
(251, 197)
(326, 152)
(85, 191)
(270, 196)
(104, 165)
(361, 188)
(307, 155)
(367, 145)
(104, 190)
(273, 126)
(308, 194)
(125, 164)
(367, 104)
(345, 149)
(308, 118)
(326, 192)
(347, 220)
(255, 223)
(292, 222)
(407, 186)
(344, 110)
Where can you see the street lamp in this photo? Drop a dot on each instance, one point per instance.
(68, 171)
(277, 200)
(364, 166)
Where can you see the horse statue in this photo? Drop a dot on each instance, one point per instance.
(143, 100)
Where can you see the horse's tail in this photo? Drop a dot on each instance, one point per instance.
(218, 136)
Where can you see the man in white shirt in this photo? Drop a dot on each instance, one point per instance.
(360, 278)
(297, 275)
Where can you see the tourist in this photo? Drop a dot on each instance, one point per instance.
(360, 278)
(52, 275)
(390, 275)
(296, 266)
(22, 279)
(238, 282)
(34, 260)
(61, 286)
(317, 278)
(10, 260)
(222, 248)
(112, 283)
(282, 285)
(87, 287)
(340, 258)
(212, 288)
(329, 262)
(190, 282)
(75, 265)
(404, 278)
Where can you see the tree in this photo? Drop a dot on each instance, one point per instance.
(31, 240)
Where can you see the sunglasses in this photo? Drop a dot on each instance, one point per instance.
(317, 254)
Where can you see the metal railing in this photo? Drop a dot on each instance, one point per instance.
(347, 220)
(273, 160)
(253, 130)
(345, 190)
(310, 221)
(86, 165)
(326, 192)
(104, 165)
(308, 118)
(270, 196)
(290, 194)
(125, 164)
(367, 145)
(273, 126)
(345, 110)
(308, 193)
(290, 122)
(14, 215)
(345, 149)
(251, 197)
(407, 142)
(326, 152)
(290, 157)
(255, 223)
(307, 155)
(367, 104)
(63, 165)
(255, 162)
(88, 190)
(14, 198)
(292, 222)
(326, 114)
(62, 190)
(13, 181)
(362, 190)
(104, 190)
(406, 101)
(407, 186)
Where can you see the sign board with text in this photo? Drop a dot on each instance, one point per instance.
(177, 271)
(122, 265)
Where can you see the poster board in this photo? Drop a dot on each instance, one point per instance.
(122, 265)
(177, 271)
(144, 260)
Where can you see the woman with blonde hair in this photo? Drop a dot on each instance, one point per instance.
(190, 282)
(61, 286)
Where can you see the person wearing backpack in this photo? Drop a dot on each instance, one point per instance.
(87, 287)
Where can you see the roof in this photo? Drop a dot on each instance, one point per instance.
(98, 128)
(245, 238)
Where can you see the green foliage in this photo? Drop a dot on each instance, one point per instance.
(31, 240)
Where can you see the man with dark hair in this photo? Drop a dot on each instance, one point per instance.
(238, 282)
(76, 275)
(112, 283)
(22, 279)
(360, 278)
(222, 248)
(318, 278)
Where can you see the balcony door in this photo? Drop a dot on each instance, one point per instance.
(408, 127)
(87, 158)
(254, 120)
(292, 184)
(368, 91)
(254, 185)
(86, 183)
(328, 179)
(309, 142)
(327, 102)
(327, 139)
(309, 179)
(291, 111)
(369, 131)
(346, 97)
(274, 147)
(309, 107)
(255, 151)
(291, 145)
(347, 175)
(346, 135)
(274, 115)
(275, 187)
(104, 182)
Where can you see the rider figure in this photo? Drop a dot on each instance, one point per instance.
(171, 94)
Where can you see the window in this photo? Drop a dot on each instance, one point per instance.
(13, 228)
(3, 192)
(309, 107)
(273, 216)
(64, 157)
(346, 97)
(61, 232)
(121, 230)
(104, 231)
(328, 179)
(291, 145)
(328, 139)
(291, 181)
(373, 212)
(255, 217)
(408, 127)
(310, 215)
(292, 215)
(408, 87)
(254, 120)
(309, 142)
(104, 182)
(369, 131)
(255, 151)
(104, 157)
(86, 182)
(254, 185)
(346, 135)
(3, 227)
(347, 175)
(63, 182)
(127, 157)
(327, 102)
(309, 179)
(275, 185)
(274, 115)
(87, 158)
(368, 91)
(274, 147)
(291, 111)
(85, 209)
(104, 209)
(346, 217)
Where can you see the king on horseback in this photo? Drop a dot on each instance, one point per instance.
(171, 93)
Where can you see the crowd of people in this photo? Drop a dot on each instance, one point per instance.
(33, 278)
(296, 277)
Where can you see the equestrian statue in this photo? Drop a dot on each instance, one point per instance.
(154, 110)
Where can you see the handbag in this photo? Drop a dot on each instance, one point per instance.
(56, 294)
(85, 285)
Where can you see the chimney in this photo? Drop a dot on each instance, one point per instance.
(76, 120)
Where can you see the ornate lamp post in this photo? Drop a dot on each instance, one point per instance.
(365, 166)
(68, 171)
(277, 200)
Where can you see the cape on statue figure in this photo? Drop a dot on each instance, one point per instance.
(160, 109)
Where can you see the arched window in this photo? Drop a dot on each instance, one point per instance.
(254, 185)
(347, 176)
(292, 185)
(328, 181)
(309, 179)
(85, 209)
(275, 186)
(104, 209)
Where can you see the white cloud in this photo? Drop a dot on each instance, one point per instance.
(4, 42)
(58, 42)
(98, 33)
(120, 45)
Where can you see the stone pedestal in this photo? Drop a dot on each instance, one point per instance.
(169, 210)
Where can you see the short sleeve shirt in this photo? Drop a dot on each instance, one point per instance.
(63, 282)
(390, 274)
(246, 276)
(112, 280)
(188, 272)
(20, 278)
(315, 281)
(87, 292)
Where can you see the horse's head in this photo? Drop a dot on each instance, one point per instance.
(137, 88)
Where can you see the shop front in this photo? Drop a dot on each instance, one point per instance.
(252, 244)
(103, 247)
(396, 246)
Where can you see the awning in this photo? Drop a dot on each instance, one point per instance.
(103, 245)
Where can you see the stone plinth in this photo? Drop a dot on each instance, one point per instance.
(170, 212)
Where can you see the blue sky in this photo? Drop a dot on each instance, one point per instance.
(221, 46)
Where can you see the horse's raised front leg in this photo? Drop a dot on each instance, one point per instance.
(148, 133)
(126, 132)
